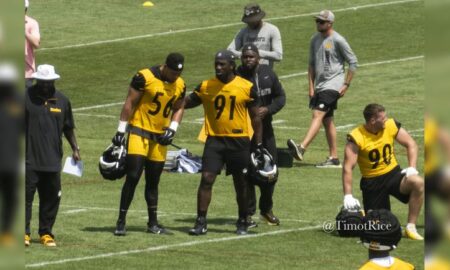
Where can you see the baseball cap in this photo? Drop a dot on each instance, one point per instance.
(325, 15)
(226, 55)
(382, 230)
(175, 61)
(252, 13)
(250, 47)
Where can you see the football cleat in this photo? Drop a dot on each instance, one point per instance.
(156, 229)
(120, 228)
(27, 240)
(270, 219)
(48, 241)
(200, 227)
(241, 226)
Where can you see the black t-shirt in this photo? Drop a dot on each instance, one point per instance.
(270, 91)
(46, 119)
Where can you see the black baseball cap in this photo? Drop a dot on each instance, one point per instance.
(175, 61)
(252, 13)
(250, 47)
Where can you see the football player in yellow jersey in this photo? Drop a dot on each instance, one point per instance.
(151, 114)
(227, 99)
(371, 146)
(381, 234)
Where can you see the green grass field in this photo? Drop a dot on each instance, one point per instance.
(388, 40)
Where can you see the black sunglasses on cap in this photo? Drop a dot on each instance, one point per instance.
(321, 21)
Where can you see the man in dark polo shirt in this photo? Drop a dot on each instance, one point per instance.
(48, 114)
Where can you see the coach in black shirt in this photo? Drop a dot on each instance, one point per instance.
(48, 115)
(272, 100)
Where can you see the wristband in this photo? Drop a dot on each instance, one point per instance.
(173, 125)
(122, 126)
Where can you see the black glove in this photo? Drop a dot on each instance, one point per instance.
(167, 137)
(118, 139)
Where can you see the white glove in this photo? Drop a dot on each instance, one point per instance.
(350, 202)
(410, 171)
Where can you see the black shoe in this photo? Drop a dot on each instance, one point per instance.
(241, 226)
(120, 228)
(251, 223)
(270, 218)
(297, 151)
(200, 227)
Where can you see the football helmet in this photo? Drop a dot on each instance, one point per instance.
(112, 163)
(349, 222)
(262, 166)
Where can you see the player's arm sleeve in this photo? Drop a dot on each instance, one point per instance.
(348, 54)
(276, 52)
(193, 99)
(138, 82)
(236, 45)
(279, 96)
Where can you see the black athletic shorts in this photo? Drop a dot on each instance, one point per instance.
(325, 101)
(376, 190)
(233, 152)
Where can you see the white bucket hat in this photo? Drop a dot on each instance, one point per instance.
(45, 73)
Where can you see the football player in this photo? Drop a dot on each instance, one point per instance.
(227, 99)
(152, 112)
(371, 146)
(272, 100)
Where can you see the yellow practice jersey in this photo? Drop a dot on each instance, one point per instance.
(154, 110)
(397, 265)
(225, 106)
(431, 148)
(376, 151)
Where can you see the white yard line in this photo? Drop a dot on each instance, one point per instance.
(171, 246)
(218, 26)
(74, 211)
(281, 77)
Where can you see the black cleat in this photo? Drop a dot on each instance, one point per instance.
(200, 227)
(156, 229)
(120, 228)
(251, 223)
(241, 226)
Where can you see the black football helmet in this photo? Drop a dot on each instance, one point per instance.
(263, 169)
(112, 163)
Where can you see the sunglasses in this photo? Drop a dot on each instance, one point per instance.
(320, 21)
